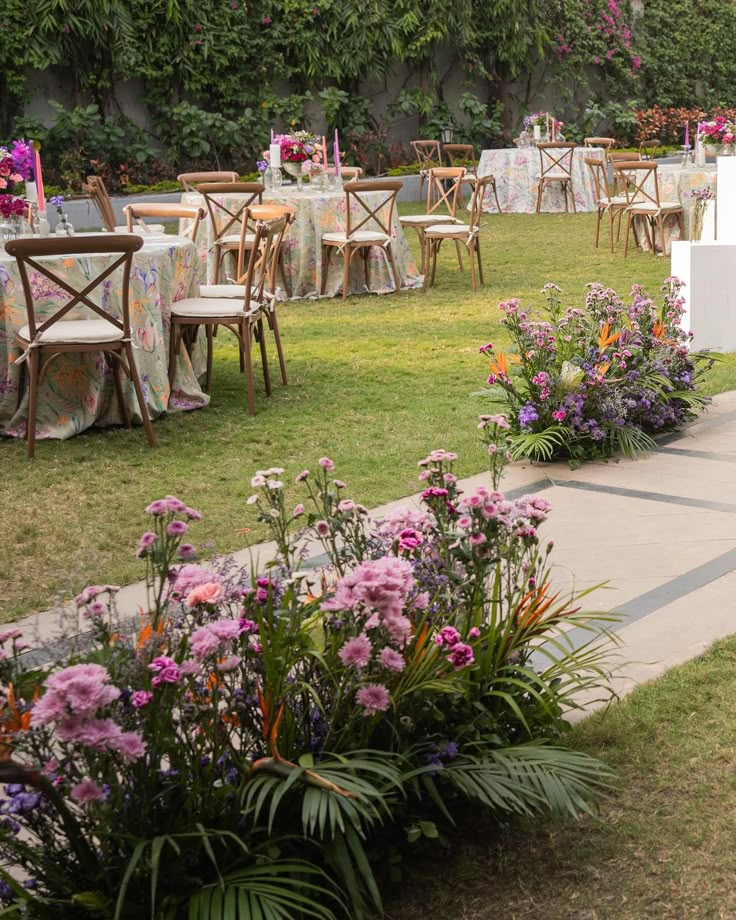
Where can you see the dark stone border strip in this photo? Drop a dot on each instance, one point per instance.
(698, 454)
(646, 496)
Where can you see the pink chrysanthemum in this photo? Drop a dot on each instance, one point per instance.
(373, 698)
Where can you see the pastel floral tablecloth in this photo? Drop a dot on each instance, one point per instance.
(517, 172)
(78, 391)
(318, 213)
(675, 184)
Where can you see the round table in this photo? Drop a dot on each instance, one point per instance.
(675, 184)
(78, 391)
(517, 171)
(318, 212)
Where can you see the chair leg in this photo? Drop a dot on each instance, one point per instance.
(598, 228)
(260, 334)
(173, 351)
(366, 267)
(480, 263)
(210, 349)
(660, 225)
(218, 259)
(435, 252)
(394, 269)
(459, 252)
(33, 361)
(628, 231)
(611, 219)
(246, 337)
(326, 255)
(572, 197)
(114, 363)
(279, 350)
(287, 285)
(495, 195)
(133, 371)
(472, 267)
(426, 260)
(346, 272)
(540, 189)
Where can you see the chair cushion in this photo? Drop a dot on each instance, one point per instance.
(427, 219)
(651, 206)
(451, 229)
(76, 332)
(618, 199)
(556, 175)
(360, 236)
(222, 290)
(233, 239)
(209, 307)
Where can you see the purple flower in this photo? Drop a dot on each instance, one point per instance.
(177, 529)
(187, 551)
(392, 660)
(141, 698)
(461, 656)
(527, 415)
(447, 636)
(87, 791)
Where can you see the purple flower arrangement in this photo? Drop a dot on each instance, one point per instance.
(584, 384)
(253, 721)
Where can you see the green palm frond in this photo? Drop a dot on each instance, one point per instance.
(530, 779)
(280, 890)
(539, 445)
(632, 442)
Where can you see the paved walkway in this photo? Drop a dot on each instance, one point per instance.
(661, 531)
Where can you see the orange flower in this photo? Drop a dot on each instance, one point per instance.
(603, 368)
(658, 329)
(500, 365)
(12, 721)
(607, 338)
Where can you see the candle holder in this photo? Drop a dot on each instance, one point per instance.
(686, 158)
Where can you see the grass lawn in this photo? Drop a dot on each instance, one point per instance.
(375, 383)
(661, 847)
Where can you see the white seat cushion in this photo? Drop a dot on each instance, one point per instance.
(222, 290)
(455, 229)
(427, 219)
(205, 308)
(651, 206)
(76, 332)
(233, 239)
(556, 175)
(618, 199)
(360, 236)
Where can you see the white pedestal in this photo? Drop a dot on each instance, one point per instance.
(726, 221)
(709, 292)
(709, 222)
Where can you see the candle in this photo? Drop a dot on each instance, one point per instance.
(39, 179)
(337, 154)
(537, 132)
(687, 135)
(274, 156)
(324, 153)
(272, 135)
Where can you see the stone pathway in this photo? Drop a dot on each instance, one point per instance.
(661, 531)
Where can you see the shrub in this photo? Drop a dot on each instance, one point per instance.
(240, 750)
(583, 384)
(668, 124)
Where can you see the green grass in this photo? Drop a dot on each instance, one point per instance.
(660, 848)
(375, 383)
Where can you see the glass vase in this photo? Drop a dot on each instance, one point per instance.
(63, 227)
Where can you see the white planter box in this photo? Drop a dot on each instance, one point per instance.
(709, 292)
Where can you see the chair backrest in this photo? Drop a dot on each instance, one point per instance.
(26, 253)
(428, 153)
(458, 152)
(96, 189)
(599, 171)
(476, 202)
(556, 157)
(444, 188)
(191, 180)
(263, 259)
(605, 142)
(263, 213)
(639, 181)
(366, 211)
(223, 216)
(351, 172)
(621, 156)
(187, 212)
(649, 148)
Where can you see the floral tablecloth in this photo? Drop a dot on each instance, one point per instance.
(517, 172)
(675, 184)
(78, 391)
(318, 213)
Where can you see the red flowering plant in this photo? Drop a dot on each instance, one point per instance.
(10, 206)
(585, 383)
(260, 731)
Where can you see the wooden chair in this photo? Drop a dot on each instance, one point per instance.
(351, 172)
(640, 180)
(466, 234)
(97, 191)
(191, 180)
(226, 220)
(556, 169)
(136, 212)
(459, 154)
(265, 213)
(244, 318)
(429, 156)
(354, 239)
(605, 142)
(43, 341)
(620, 156)
(648, 149)
(443, 195)
(607, 203)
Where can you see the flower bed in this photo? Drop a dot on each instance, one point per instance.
(253, 746)
(584, 384)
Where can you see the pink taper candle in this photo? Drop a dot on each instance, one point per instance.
(39, 184)
(324, 153)
(337, 154)
(687, 134)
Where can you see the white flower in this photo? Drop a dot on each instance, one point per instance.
(251, 500)
(258, 481)
(275, 484)
(274, 471)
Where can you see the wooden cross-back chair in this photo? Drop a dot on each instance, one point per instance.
(648, 148)
(463, 154)
(620, 156)
(467, 235)
(192, 180)
(429, 156)
(355, 239)
(243, 316)
(136, 213)
(640, 180)
(556, 169)
(97, 190)
(605, 142)
(351, 172)
(226, 219)
(443, 195)
(43, 340)
(606, 202)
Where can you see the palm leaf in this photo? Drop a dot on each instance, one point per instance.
(539, 445)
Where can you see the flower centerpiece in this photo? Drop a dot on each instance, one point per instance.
(537, 121)
(582, 384)
(702, 198)
(16, 168)
(719, 133)
(260, 737)
(301, 154)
